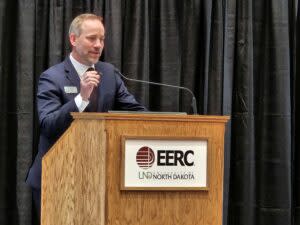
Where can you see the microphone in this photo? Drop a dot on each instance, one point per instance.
(194, 102)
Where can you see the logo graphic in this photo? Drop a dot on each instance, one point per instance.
(145, 157)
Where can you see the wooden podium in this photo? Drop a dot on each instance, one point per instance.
(81, 178)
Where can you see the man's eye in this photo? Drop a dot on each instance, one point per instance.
(91, 38)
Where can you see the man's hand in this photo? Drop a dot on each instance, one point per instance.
(90, 81)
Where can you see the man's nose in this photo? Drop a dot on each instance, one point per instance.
(99, 43)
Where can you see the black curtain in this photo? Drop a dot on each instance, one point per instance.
(239, 57)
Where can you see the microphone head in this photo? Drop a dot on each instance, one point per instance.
(91, 69)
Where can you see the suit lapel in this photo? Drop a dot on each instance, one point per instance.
(100, 95)
(71, 73)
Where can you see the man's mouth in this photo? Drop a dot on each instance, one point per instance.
(95, 53)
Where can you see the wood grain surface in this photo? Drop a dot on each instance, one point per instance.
(81, 173)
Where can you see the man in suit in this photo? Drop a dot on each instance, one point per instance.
(80, 83)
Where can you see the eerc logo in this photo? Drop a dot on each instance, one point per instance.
(145, 157)
(175, 158)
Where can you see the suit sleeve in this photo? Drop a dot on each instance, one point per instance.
(124, 99)
(53, 110)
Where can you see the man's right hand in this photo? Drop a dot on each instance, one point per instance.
(91, 80)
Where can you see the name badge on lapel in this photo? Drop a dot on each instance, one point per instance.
(70, 89)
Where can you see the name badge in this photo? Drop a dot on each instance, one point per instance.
(70, 89)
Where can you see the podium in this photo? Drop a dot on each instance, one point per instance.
(83, 173)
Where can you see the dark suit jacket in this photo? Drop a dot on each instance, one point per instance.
(55, 102)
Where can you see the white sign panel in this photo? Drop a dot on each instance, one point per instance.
(165, 164)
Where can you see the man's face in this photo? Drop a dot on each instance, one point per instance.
(88, 46)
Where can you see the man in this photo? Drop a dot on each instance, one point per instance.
(80, 83)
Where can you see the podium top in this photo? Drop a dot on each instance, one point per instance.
(149, 116)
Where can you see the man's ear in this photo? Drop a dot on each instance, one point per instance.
(72, 38)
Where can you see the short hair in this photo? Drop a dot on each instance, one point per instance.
(75, 26)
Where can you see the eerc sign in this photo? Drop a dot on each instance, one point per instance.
(154, 164)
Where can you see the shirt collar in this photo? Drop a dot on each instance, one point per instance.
(79, 67)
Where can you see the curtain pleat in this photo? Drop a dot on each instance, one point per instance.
(296, 125)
